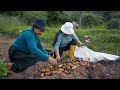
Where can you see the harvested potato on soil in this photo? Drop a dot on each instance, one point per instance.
(64, 66)
(61, 69)
(47, 73)
(54, 72)
(43, 70)
(68, 67)
(51, 67)
(61, 65)
(42, 75)
(74, 67)
(70, 64)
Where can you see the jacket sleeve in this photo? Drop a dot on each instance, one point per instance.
(40, 46)
(31, 42)
(75, 37)
(57, 44)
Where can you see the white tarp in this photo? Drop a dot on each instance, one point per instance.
(85, 54)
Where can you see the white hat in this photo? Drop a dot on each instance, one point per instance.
(67, 28)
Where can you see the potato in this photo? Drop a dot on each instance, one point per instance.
(51, 67)
(55, 68)
(65, 71)
(70, 64)
(42, 74)
(43, 70)
(54, 72)
(47, 73)
(77, 62)
(60, 65)
(74, 67)
(61, 69)
(77, 65)
(82, 63)
(68, 67)
(64, 67)
(47, 70)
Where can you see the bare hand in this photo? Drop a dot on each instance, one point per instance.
(52, 61)
(58, 57)
(81, 45)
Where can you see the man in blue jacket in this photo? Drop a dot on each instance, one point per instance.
(27, 48)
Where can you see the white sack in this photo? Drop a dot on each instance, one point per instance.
(85, 54)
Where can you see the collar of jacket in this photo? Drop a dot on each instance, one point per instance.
(33, 32)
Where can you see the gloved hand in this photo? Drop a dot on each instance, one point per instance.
(52, 61)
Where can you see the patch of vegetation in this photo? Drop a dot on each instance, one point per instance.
(3, 69)
(12, 25)
(113, 24)
(101, 39)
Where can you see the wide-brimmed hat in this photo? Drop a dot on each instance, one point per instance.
(67, 28)
(40, 23)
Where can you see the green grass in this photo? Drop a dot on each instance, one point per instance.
(11, 25)
(102, 40)
(48, 36)
(3, 68)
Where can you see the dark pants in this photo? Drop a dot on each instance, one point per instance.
(21, 60)
(67, 47)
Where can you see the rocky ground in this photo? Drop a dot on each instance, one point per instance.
(67, 69)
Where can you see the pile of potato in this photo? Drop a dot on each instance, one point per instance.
(64, 66)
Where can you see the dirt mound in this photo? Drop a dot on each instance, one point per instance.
(83, 70)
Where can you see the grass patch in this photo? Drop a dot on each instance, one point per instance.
(3, 69)
(101, 39)
(11, 25)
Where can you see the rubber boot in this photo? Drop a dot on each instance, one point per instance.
(71, 51)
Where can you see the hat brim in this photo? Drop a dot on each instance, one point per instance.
(71, 31)
(33, 23)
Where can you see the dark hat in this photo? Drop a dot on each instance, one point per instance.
(40, 23)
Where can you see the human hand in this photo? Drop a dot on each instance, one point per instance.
(81, 45)
(58, 58)
(52, 61)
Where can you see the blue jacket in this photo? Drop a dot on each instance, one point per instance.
(29, 43)
(62, 41)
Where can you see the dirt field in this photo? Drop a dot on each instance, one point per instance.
(67, 69)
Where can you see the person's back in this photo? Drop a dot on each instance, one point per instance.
(21, 42)
(56, 37)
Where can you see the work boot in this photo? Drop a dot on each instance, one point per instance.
(71, 51)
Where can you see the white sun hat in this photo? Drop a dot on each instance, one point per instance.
(67, 28)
